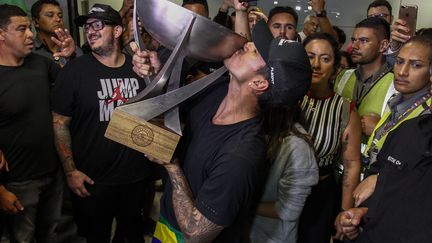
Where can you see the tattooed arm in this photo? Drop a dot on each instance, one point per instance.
(351, 159)
(352, 164)
(3, 163)
(63, 142)
(194, 225)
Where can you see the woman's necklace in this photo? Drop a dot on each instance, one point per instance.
(312, 104)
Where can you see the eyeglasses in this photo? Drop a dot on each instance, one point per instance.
(96, 25)
(381, 15)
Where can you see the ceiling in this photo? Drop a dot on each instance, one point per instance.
(342, 13)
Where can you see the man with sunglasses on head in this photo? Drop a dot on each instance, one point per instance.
(382, 9)
(400, 32)
(107, 179)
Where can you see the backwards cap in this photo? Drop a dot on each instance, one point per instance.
(290, 72)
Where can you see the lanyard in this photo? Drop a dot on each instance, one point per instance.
(372, 152)
(387, 126)
(360, 94)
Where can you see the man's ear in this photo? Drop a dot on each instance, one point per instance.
(118, 31)
(35, 23)
(260, 85)
(2, 34)
(384, 44)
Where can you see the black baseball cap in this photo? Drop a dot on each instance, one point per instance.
(290, 71)
(102, 12)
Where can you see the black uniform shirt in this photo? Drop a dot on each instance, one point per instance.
(400, 208)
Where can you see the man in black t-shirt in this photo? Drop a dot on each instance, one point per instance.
(107, 179)
(30, 184)
(210, 188)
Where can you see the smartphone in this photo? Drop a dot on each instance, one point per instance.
(251, 2)
(409, 14)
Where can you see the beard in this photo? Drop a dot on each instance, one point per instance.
(106, 49)
(363, 60)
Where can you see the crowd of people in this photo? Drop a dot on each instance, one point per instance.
(300, 141)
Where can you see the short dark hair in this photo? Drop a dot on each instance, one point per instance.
(424, 31)
(37, 7)
(380, 3)
(281, 9)
(7, 11)
(381, 27)
(340, 34)
(333, 43)
(264, 71)
(345, 54)
(424, 40)
(204, 3)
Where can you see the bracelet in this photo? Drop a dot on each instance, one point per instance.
(321, 14)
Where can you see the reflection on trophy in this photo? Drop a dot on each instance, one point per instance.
(137, 124)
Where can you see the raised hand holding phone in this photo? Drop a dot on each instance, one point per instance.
(408, 13)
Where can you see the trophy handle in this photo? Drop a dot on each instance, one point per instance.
(172, 117)
(158, 83)
(138, 38)
(153, 107)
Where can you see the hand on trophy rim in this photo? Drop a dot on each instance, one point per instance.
(145, 63)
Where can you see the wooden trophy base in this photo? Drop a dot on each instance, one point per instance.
(151, 137)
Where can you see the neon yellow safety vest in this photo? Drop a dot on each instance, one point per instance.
(375, 99)
(379, 143)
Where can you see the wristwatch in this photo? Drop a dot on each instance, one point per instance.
(321, 14)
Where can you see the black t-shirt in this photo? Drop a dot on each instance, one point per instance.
(400, 208)
(26, 134)
(88, 91)
(222, 164)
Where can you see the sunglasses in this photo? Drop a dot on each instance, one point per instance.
(381, 15)
(96, 25)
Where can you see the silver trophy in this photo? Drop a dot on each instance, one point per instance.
(187, 34)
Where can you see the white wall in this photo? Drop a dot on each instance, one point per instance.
(116, 4)
(351, 11)
(424, 9)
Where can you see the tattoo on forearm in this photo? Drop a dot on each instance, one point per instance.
(195, 226)
(63, 143)
(345, 181)
(69, 165)
(345, 143)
